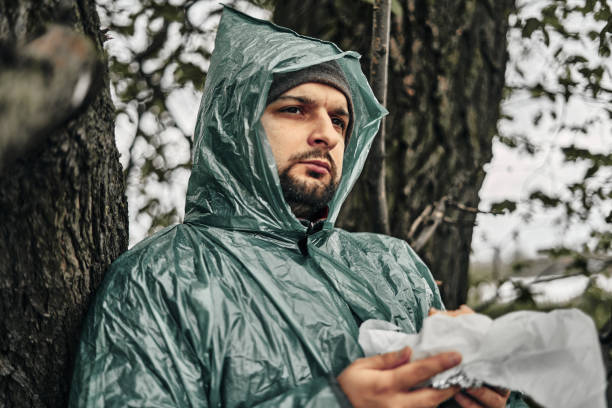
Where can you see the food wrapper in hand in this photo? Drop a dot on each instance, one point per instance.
(555, 358)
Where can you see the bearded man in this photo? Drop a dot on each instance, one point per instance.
(256, 299)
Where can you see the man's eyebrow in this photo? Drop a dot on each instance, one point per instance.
(341, 112)
(302, 99)
(308, 101)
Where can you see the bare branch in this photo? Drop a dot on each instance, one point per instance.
(436, 219)
(378, 78)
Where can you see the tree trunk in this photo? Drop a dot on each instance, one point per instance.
(446, 77)
(63, 219)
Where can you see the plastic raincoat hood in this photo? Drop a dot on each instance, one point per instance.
(229, 309)
(234, 182)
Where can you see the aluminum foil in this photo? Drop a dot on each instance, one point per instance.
(547, 356)
(459, 378)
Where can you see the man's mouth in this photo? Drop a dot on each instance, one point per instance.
(318, 166)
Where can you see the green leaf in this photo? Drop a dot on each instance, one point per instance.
(530, 26)
(545, 199)
(593, 35)
(503, 207)
(537, 118)
(508, 141)
(556, 252)
(190, 73)
(591, 171)
(126, 30)
(546, 35)
(575, 59)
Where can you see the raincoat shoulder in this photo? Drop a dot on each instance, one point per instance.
(134, 349)
(400, 280)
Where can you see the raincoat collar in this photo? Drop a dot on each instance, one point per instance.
(234, 182)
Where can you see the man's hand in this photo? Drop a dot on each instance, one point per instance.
(387, 380)
(482, 397)
(463, 309)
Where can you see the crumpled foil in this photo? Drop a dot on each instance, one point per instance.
(554, 358)
(457, 378)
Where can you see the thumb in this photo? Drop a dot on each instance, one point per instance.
(387, 361)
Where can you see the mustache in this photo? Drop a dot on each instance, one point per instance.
(315, 154)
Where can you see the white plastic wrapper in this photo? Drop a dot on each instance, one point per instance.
(555, 357)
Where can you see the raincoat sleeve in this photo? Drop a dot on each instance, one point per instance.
(516, 401)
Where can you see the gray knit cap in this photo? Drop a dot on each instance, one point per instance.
(327, 73)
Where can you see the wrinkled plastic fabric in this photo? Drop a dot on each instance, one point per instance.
(554, 357)
(225, 309)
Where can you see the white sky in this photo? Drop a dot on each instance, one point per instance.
(514, 175)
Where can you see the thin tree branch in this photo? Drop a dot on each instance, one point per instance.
(437, 216)
(378, 78)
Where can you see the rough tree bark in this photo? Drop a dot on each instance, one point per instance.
(63, 219)
(446, 77)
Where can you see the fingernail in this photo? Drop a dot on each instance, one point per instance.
(452, 359)
(461, 398)
(403, 354)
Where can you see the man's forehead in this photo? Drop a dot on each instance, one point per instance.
(328, 73)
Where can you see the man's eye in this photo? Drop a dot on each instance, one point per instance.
(339, 122)
(291, 109)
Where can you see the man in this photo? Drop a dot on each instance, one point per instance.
(256, 299)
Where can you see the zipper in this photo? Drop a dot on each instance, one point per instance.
(311, 228)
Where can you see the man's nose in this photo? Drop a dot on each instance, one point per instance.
(324, 134)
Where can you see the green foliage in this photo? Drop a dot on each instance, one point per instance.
(158, 50)
(572, 40)
(503, 207)
(545, 199)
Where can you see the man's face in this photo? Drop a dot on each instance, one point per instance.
(306, 128)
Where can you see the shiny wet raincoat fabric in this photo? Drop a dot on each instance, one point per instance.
(242, 305)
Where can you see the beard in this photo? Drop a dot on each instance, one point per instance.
(308, 199)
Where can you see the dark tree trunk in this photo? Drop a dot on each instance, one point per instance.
(63, 219)
(446, 77)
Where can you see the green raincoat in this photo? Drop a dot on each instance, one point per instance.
(242, 304)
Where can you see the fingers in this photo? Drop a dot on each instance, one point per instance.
(425, 397)
(467, 402)
(504, 392)
(386, 361)
(483, 397)
(488, 397)
(463, 309)
(410, 375)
